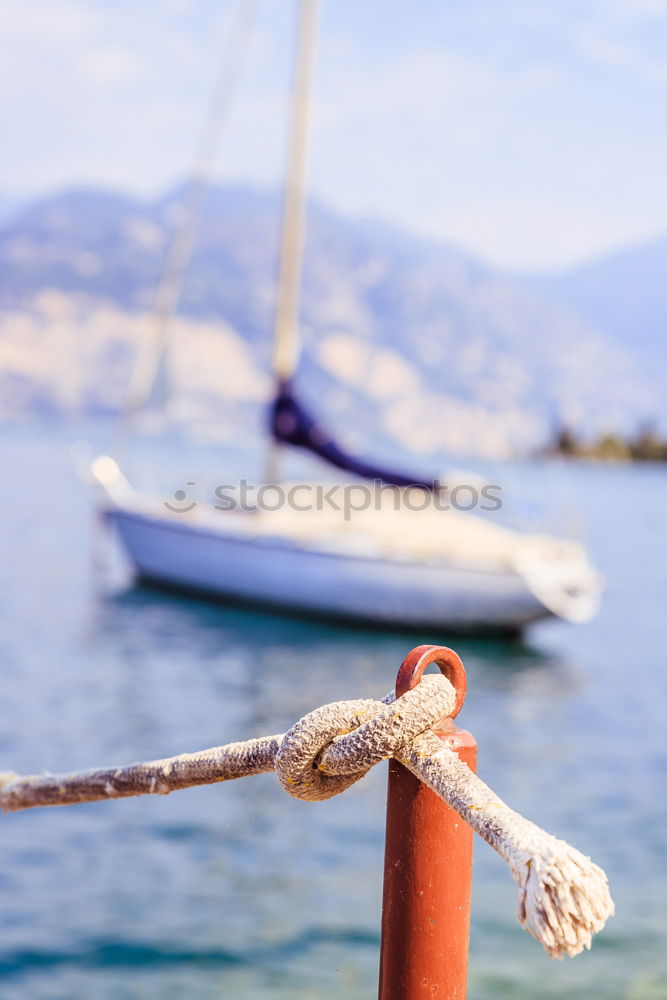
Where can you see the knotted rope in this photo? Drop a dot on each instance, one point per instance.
(563, 897)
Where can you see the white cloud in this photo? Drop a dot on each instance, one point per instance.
(640, 9)
(111, 65)
(619, 54)
(53, 20)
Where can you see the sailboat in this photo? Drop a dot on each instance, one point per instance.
(390, 564)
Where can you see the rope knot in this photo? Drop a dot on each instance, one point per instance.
(333, 747)
(563, 897)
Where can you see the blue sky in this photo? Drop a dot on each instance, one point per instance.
(531, 133)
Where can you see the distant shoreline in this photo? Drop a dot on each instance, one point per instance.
(647, 445)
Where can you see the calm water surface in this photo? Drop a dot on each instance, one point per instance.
(238, 891)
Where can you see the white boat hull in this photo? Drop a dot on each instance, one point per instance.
(276, 572)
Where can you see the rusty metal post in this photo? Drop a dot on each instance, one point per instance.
(428, 864)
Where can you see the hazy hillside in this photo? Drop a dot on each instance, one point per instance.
(404, 341)
(7, 207)
(625, 294)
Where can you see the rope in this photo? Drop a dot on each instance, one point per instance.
(153, 349)
(563, 897)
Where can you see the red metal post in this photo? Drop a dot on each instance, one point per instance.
(427, 865)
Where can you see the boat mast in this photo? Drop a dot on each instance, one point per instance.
(286, 340)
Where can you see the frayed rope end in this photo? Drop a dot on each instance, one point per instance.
(564, 897)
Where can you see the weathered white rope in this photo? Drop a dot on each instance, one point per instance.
(563, 897)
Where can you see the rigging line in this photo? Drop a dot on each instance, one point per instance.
(168, 292)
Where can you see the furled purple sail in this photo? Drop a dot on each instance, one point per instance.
(291, 424)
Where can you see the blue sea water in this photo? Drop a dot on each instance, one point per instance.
(237, 891)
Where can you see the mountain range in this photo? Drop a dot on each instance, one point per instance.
(624, 294)
(406, 342)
